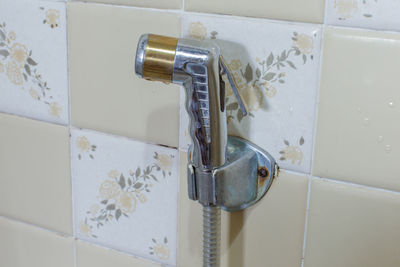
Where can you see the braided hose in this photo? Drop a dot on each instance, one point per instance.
(211, 236)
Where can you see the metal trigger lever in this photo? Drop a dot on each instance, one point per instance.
(225, 70)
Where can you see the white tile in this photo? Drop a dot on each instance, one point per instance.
(373, 14)
(281, 101)
(125, 194)
(33, 60)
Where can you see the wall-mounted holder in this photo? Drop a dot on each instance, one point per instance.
(242, 181)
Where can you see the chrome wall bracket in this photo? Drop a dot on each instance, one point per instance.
(240, 182)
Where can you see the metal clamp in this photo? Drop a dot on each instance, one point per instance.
(241, 182)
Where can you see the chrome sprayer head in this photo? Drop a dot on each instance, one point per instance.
(198, 65)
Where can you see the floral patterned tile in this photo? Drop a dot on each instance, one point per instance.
(374, 14)
(125, 194)
(33, 60)
(276, 68)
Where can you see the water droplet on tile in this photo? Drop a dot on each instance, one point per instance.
(359, 109)
(391, 104)
(366, 121)
(388, 148)
(380, 139)
(291, 109)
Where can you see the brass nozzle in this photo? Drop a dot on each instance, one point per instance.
(155, 57)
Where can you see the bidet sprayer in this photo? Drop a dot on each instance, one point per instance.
(223, 171)
(198, 66)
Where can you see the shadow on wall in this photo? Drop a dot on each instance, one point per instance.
(167, 120)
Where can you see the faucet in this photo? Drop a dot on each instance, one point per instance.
(223, 171)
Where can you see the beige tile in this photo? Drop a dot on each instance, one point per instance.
(170, 4)
(88, 255)
(23, 245)
(352, 226)
(34, 173)
(359, 108)
(106, 95)
(300, 10)
(269, 233)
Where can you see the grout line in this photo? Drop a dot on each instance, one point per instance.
(255, 19)
(182, 14)
(333, 180)
(177, 245)
(110, 248)
(74, 253)
(317, 98)
(178, 207)
(368, 30)
(68, 66)
(69, 137)
(382, 190)
(33, 119)
(326, 12)
(15, 220)
(52, 1)
(294, 172)
(154, 9)
(306, 221)
(121, 137)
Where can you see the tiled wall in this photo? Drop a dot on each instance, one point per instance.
(93, 159)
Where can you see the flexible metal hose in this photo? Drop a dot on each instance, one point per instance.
(211, 236)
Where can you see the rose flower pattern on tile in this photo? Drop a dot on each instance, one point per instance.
(52, 17)
(198, 31)
(160, 250)
(262, 81)
(347, 9)
(292, 153)
(21, 69)
(85, 147)
(120, 194)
